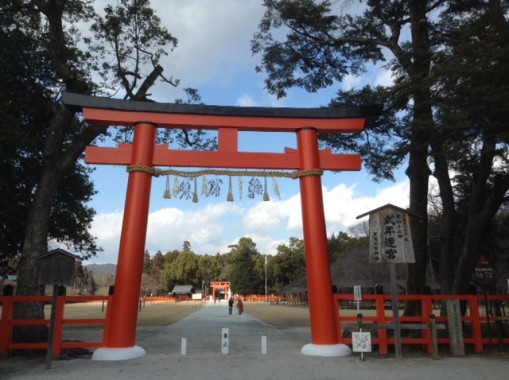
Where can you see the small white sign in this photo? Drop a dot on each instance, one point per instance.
(225, 341)
(264, 345)
(357, 294)
(361, 341)
(183, 346)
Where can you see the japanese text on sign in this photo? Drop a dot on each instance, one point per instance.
(483, 273)
(390, 237)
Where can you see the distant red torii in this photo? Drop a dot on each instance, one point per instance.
(220, 285)
(145, 118)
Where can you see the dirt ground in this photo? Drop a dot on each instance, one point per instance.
(277, 315)
(163, 327)
(166, 313)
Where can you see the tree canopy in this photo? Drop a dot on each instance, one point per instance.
(444, 112)
(26, 109)
(119, 55)
(245, 274)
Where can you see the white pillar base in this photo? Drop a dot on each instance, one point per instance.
(326, 350)
(118, 353)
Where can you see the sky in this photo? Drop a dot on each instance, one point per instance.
(214, 56)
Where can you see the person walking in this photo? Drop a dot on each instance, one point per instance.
(230, 305)
(240, 306)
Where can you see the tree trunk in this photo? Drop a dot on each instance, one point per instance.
(467, 257)
(448, 218)
(418, 171)
(483, 205)
(63, 147)
(36, 234)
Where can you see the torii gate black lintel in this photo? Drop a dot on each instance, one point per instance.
(78, 102)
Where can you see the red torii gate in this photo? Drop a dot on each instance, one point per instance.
(146, 117)
(220, 285)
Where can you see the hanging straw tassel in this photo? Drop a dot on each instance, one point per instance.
(195, 194)
(275, 187)
(176, 186)
(229, 197)
(167, 192)
(266, 197)
(241, 185)
(204, 188)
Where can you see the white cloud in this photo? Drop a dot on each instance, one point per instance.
(214, 41)
(218, 33)
(342, 205)
(350, 82)
(384, 78)
(211, 228)
(213, 224)
(246, 101)
(169, 228)
(106, 227)
(264, 216)
(377, 77)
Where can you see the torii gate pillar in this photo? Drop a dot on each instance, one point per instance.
(324, 329)
(120, 332)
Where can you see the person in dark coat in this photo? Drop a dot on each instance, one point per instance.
(230, 305)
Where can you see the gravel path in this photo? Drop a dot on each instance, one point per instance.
(203, 358)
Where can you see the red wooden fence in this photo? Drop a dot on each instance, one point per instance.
(7, 323)
(475, 322)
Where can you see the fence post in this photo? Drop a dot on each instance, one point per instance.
(434, 341)
(5, 324)
(473, 306)
(380, 318)
(109, 307)
(427, 311)
(58, 334)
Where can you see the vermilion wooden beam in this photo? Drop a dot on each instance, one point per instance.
(221, 159)
(228, 140)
